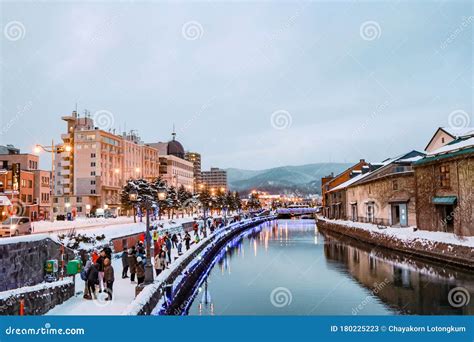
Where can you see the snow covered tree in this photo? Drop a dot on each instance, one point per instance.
(254, 202)
(172, 201)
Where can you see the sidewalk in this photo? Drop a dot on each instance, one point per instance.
(124, 292)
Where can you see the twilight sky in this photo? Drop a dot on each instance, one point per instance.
(248, 84)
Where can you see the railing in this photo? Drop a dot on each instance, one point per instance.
(373, 220)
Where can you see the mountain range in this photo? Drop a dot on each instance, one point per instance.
(302, 179)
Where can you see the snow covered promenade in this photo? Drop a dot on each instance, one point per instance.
(124, 291)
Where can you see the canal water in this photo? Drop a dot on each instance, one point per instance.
(289, 267)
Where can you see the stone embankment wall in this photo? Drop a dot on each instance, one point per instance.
(22, 270)
(438, 251)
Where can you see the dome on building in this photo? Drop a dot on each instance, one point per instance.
(175, 148)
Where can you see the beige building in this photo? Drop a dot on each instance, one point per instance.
(195, 158)
(445, 135)
(92, 174)
(386, 195)
(174, 169)
(215, 179)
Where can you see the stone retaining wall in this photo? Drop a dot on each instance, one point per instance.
(38, 299)
(438, 251)
(22, 261)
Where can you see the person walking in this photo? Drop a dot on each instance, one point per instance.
(100, 263)
(168, 246)
(125, 264)
(180, 246)
(108, 278)
(84, 275)
(160, 262)
(174, 240)
(140, 271)
(92, 280)
(187, 240)
(132, 263)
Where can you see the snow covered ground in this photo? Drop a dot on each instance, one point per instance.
(124, 291)
(408, 234)
(47, 226)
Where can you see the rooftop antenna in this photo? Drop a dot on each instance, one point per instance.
(174, 133)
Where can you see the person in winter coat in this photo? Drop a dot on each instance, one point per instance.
(132, 263)
(92, 280)
(108, 278)
(140, 271)
(94, 256)
(160, 262)
(100, 263)
(180, 246)
(174, 240)
(87, 267)
(187, 240)
(125, 264)
(168, 246)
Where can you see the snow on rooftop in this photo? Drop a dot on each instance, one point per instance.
(25, 238)
(351, 181)
(454, 146)
(459, 131)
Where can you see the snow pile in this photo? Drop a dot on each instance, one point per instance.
(409, 235)
(43, 286)
(26, 238)
(47, 226)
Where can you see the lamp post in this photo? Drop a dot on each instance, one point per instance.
(52, 149)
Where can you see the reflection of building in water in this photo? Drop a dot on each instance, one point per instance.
(411, 288)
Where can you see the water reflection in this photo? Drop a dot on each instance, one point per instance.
(326, 274)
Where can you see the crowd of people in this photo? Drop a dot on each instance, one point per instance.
(98, 272)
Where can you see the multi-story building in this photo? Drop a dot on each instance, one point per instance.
(215, 178)
(174, 169)
(195, 158)
(444, 186)
(91, 175)
(333, 208)
(385, 195)
(31, 196)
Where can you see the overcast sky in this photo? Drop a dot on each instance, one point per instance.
(249, 85)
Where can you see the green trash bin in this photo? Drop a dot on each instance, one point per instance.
(51, 266)
(74, 267)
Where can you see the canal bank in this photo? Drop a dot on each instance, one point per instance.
(291, 267)
(406, 240)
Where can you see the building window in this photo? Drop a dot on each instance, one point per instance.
(92, 155)
(93, 164)
(395, 185)
(93, 191)
(442, 140)
(92, 173)
(92, 182)
(79, 199)
(444, 178)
